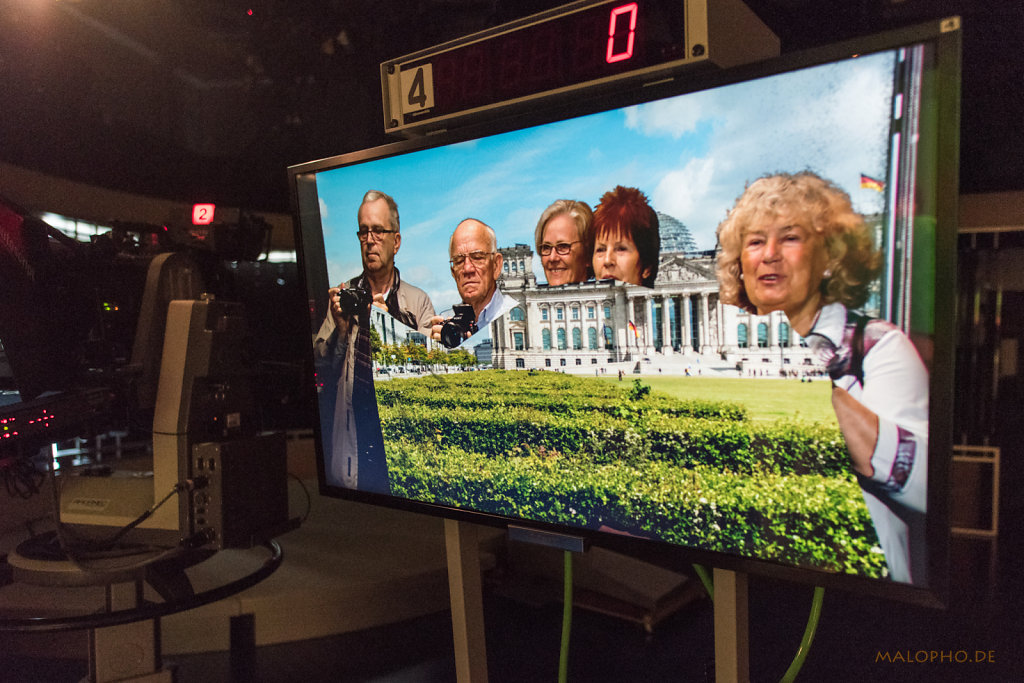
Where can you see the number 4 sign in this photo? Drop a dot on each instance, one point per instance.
(417, 89)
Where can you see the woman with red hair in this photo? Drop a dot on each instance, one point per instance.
(626, 238)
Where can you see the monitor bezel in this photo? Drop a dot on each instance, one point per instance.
(945, 35)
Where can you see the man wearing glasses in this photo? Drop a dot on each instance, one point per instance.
(476, 265)
(348, 407)
(379, 242)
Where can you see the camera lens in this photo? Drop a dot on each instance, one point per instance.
(451, 334)
(352, 301)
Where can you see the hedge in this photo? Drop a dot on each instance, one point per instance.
(550, 391)
(804, 520)
(685, 442)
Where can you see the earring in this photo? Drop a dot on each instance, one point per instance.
(827, 274)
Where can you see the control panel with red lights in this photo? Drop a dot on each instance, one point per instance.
(51, 418)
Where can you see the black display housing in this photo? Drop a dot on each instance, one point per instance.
(924, 195)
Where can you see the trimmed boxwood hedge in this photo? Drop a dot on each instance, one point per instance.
(804, 520)
(598, 437)
(551, 392)
(585, 452)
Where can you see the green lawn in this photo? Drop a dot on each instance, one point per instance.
(765, 399)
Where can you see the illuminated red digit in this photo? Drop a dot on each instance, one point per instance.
(611, 56)
(202, 214)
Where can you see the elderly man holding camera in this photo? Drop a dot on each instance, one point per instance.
(379, 241)
(476, 264)
(345, 369)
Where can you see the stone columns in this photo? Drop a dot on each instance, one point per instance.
(704, 320)
(648, 337)
(533, 326)
(666, 325)
(621, 317)
(687, 322)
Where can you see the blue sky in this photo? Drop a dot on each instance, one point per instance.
(692, 155)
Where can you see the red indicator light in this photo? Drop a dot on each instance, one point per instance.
(613, 55)
(202, 214)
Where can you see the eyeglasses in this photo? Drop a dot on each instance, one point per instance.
(378, 233)
(562, 248)
(479, 258)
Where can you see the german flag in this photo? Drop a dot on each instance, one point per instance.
(869, 183)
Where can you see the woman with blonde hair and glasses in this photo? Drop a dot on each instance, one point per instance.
(793, 243)
(562, 238)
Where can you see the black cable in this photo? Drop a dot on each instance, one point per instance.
(176, 489)
(21, 478)
(309, 499)
(74, 555)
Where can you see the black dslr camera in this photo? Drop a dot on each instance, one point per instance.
(354, 301)
(454, 330)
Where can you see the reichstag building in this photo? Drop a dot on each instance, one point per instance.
(678, 327)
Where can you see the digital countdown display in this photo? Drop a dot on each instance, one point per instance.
(577, 45)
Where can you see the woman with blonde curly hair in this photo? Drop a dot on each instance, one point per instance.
(840, 267)
(793, 243)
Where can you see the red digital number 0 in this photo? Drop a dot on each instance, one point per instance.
(611, 56)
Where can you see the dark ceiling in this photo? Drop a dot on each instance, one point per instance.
(213, 99)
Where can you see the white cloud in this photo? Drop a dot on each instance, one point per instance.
(339, 272)
(675, 117)
(832, 120)
(444, 299)
(681, 190)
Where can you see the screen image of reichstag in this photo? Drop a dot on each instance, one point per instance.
(679, 326)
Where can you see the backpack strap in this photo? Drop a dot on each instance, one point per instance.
(862, 333)
(857, 345)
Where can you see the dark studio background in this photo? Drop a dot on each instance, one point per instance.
(194, 99)
(211, 100)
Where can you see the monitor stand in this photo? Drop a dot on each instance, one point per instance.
(465, 588)
(466, 592)
(732, 648)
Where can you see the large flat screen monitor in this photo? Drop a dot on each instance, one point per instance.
(712, 316)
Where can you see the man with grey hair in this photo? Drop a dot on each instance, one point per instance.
(349, 420)
(476, 264)
(379, 241)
